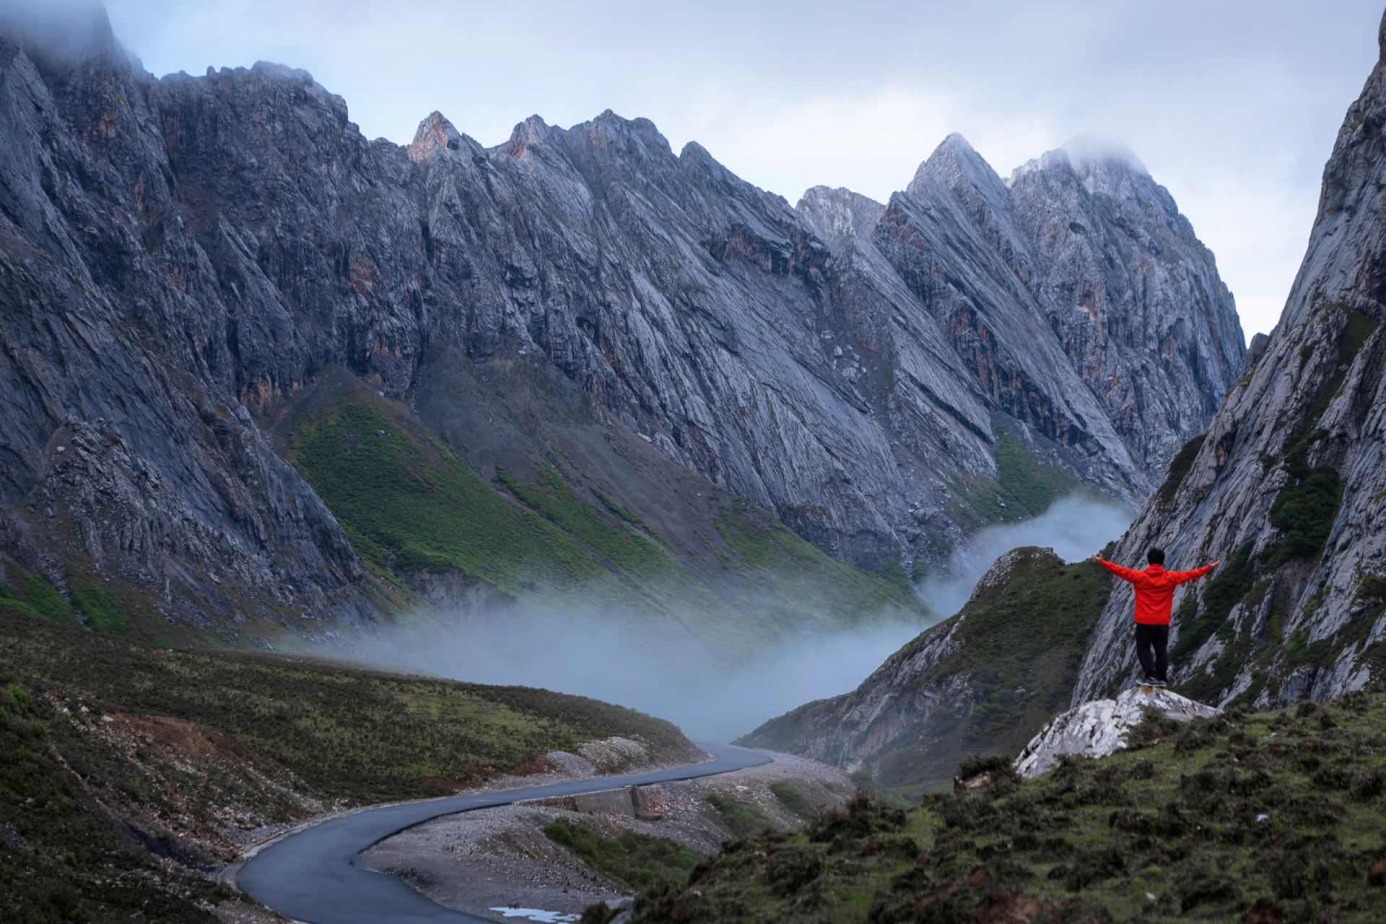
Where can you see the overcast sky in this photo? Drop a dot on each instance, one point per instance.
(1231, 104)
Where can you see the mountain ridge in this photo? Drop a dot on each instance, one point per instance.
(234, 235)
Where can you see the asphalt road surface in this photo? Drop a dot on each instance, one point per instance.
(312, 875)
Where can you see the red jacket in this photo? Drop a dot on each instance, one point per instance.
(1154, 589)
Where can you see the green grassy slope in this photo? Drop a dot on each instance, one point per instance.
(635, 860)
(1256, 816)
(1022, 641)
(1025, 484)
(411, 505)
(61, 856)
(349, 733)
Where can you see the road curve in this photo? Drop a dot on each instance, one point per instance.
(313, 876)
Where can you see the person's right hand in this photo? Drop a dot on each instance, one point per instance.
(1214, 564)
(1097, 559)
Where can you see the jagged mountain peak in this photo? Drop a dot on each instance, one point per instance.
(435, 134)
(532, 131)
(638, 135)
(276, 71)
(956, 165)
(838, 214)
(1086, 156)
(677, 300)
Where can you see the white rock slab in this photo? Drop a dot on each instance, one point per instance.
(1099, 727)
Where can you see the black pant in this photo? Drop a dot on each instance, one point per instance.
(1151, 642)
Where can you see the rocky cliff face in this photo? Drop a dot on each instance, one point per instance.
(1288, 487)
(1084, 243)
(181, 259)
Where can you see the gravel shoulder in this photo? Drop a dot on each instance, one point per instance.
(483, 861)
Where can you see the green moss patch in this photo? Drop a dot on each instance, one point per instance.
(616, 539)
(102, 608)
(1026, 486)
(795, 575)
(33, 595)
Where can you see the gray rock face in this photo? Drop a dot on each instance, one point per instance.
(1089, 246)
(179, 258)
(1101, 727)
(1289, 483)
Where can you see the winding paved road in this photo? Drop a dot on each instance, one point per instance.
(312, 875)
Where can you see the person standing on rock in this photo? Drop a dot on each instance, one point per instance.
(1154, 602)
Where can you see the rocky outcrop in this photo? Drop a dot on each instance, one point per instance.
(181, 259)
(1287, 486)
(1101, 727)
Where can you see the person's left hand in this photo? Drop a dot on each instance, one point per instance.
(1097, 559)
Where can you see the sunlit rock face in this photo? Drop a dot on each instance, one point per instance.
(1288, 488)
(182, 258)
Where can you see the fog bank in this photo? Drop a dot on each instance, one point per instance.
(1074, 527)
(658, 668)
(663, 668)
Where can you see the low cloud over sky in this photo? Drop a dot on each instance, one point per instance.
(1232, 104)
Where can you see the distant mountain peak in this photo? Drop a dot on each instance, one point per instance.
(837, 214)
(434, 133)
(1086, 155)
(956, 161)
(641, 130)
(531, 131)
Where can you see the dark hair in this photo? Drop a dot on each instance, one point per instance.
(1155, 556)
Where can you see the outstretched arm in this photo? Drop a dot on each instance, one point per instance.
(1126, 574)
(1183, 577)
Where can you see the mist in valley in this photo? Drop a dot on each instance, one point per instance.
(1074, 527)
(668, 668)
